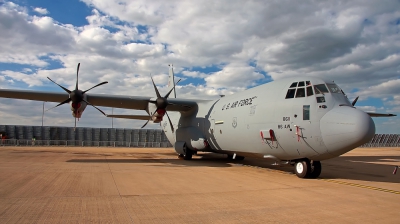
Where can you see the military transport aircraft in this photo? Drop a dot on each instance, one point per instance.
(298, 121)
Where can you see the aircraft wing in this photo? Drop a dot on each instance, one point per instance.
(136, 117)
(380, 115)
(116, 101)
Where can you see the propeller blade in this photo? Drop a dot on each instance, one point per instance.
(166, 96)
(64, 102)
(95, 86)
(65, 89)
(155, 88)
(354, 101)
(77, 72)
(94, 107)
(145, 123)
(170, 123)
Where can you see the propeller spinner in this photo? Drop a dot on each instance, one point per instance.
(76, 96)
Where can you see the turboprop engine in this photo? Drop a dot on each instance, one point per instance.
(77, 98)
(159, 106)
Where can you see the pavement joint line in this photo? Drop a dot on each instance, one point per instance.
(120, 196)
(333, 181)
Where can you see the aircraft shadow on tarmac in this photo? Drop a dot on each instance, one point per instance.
(364, 168)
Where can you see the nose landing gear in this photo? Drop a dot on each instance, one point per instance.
(307, 169)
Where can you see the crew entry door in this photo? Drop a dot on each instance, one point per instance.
(303, 129)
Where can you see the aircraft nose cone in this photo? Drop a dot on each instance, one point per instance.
(345, 128)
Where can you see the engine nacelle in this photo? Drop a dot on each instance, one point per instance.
(77, 109)
(193, 137)
(157, 117)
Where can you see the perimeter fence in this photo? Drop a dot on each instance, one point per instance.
(383, 140)
(82, 136)
(114, 137)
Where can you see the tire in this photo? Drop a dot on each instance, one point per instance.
(315, 170)
(188, 153)
(302, 168)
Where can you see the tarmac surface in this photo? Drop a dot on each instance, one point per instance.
(149, 185)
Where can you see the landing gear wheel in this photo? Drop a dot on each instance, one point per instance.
(180, 156)
(302, 168)
(315, 170)
(188, 153)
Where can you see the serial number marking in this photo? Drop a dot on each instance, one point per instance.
(239, 103)
(282, 126)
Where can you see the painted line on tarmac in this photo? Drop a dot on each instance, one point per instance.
(361, 186)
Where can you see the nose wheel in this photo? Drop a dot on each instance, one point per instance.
(306, 169)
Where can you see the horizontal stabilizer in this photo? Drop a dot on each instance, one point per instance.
(380, 115)
(137, 117)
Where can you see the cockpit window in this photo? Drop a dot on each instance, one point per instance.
(293, 85)
(309, 91)
(320, 88)
(300, 92)
(308, 83)
(301, 84)
(334, 88)
(290, 93)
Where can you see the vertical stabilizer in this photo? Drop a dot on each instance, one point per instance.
(171, 81)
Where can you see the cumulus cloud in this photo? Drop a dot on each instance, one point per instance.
(234, 75)
(42, 11)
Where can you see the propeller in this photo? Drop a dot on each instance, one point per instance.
(354, 101)
(161, 103)
(76, 95)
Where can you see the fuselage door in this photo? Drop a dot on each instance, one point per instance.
(304, 129)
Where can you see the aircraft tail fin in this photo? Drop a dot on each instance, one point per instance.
(171, 81)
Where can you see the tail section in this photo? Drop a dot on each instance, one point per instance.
(171, 81)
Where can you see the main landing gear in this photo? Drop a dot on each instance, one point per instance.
(188, 153)
(307, 169)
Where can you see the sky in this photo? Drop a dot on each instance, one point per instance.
(216, 47)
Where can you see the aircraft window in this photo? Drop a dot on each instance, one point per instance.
(321, 99)
(300, 92)
(290, 93)
(334, 88)
(306, 112)
(293, 85)
(301, 84)
(320, 88)
(308, 83)
(310, 91)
